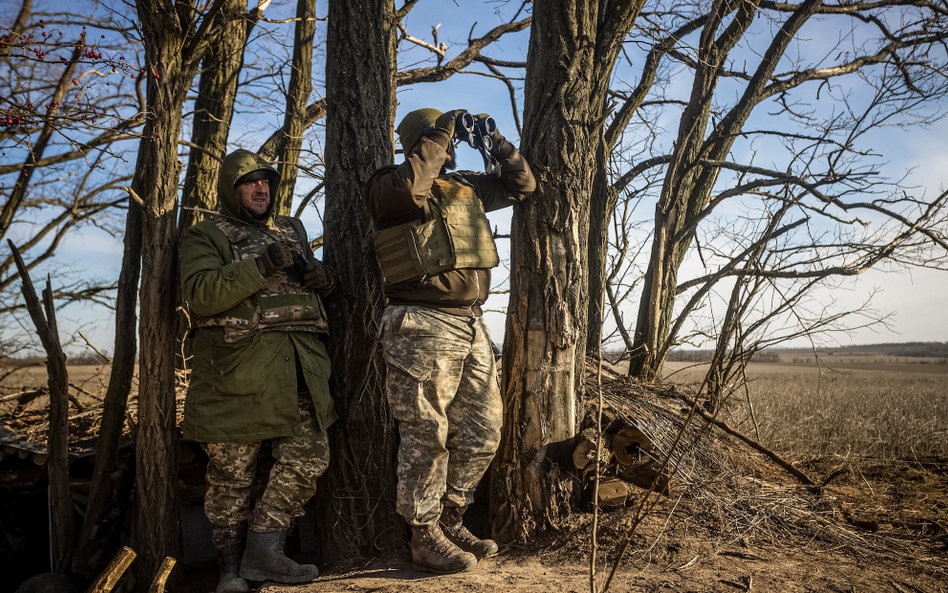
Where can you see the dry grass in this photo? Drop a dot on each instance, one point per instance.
(882, 410)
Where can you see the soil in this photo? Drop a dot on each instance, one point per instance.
(878, 527)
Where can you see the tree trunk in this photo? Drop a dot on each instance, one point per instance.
(603, 201)
(213, 111)
(357, 494)
(572, 52)
(61, 508)
(294, 122)
(156, 176)
(174, 45)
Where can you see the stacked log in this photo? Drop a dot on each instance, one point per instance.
(630, 463)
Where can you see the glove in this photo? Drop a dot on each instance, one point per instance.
(495, 134)
(318, 276)
(446, 121)
(277, 257)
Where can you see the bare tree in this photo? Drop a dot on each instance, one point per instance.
(822, 105)
(297, 97)
(68, 109)
(175, 37)
(573, 48)
(213, 111)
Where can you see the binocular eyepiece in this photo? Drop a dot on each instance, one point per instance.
(477, 132)
(468, 128)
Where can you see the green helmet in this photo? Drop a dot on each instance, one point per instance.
(413, 126)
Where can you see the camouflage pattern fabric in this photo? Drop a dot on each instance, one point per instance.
(298, 461)
(283, 303)
(442, 386)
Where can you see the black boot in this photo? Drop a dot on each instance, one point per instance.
(229, 563)
(264, 560)
(453, 527)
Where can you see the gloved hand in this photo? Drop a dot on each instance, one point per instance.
(495, 135)
(318, 276)
(445, 121)
(277, 257)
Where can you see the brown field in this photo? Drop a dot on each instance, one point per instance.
(877, 408)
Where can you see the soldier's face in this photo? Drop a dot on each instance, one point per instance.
(254, 196)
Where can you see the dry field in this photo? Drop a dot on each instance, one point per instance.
(878, 408)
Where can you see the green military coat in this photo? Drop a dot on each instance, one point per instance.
(243, 390)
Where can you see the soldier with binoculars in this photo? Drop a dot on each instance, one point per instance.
(434, 245)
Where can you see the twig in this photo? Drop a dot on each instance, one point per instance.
(94, 349)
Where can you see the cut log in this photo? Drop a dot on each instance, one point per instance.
(158, 585)
(644, 475)
(585, 452)
(630, 446)
(613, 493)
(114, 571)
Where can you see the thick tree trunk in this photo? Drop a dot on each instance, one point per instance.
(572, 52)
(156, 176)
(294, 122)
(213, 111)
(357, 495)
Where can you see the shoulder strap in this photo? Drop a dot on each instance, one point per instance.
(298, 227)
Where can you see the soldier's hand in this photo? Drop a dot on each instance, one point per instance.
(319, 277)
(277, 257)
(445, 121)
(495, 134)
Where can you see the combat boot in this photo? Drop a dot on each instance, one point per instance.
(264, 560)
(452, 525)
(228, 561)
(431, 551)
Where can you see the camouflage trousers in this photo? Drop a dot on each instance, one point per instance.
(231, 467)
(441, 384)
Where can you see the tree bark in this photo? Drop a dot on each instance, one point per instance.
(294, 122)
(175, 39)
(213, 111)
(357, 495)
(573, 47)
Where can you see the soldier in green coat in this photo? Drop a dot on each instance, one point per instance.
(260, 370)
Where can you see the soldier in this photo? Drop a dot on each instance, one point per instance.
(435, 248)
(260, 370)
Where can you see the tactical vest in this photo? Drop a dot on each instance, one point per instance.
(454, 235)
(283, 304)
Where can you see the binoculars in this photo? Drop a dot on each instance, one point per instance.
(477, 131)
